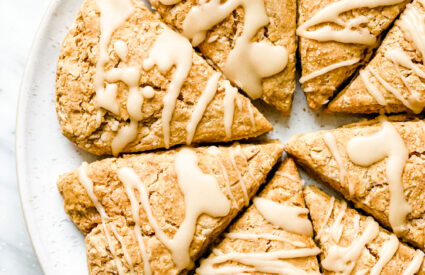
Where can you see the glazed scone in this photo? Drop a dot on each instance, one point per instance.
(166, 206)
(336, 37)
(393, 80)
(144, 87)
(227, 32)
(355, 244)
(377, 164)
(273, 236)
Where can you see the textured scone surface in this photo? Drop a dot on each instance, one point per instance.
(278, 89)
(316, 55)
(370, 184)
(157, 172)
(284, 188)
(93, 128)
(320, 203)
(356, 98)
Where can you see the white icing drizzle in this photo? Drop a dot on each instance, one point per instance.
(123, 248)
(107, 98)
(169, 2)
(129, 180)
(287, 175)
(388, 250)
(230, 94)
(372, 89)
(203, 101)
(88, 185)
(356, 223)
(330, 14)
(251, 115)
(343, 259)
(130, 76)
(412, 24)
(213, 150)
(337, 228)
(121, 49)
(112, 248)
(268, 262)
(410, 103)
(170, 49)
(330, 142)
(329, 68)
(125, 135)
(112, 14)
(415, 264)
(387, 143)
(148, 92)
(327, 217)
(240, 179)
(202, 195)
(266, 236)
(248, 62)
(399, 57)
(240, 152)
(284, 216)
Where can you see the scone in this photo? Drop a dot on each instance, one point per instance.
(336, 37)
(157, 212)
(128, 83)
(355, 244)
(377, 164)
(252, 42)
(273, 236)
(393, 80)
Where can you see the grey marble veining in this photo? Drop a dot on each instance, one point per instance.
(18, 24)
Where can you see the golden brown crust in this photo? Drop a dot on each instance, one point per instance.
(371, 191)
(278, 89)
(316, 55)
(93, 128)
(283, 190)
(156, 170)
(355, 98)
(319, 204)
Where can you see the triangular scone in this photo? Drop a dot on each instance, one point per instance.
(188, 194)
(393, 80)
(274, 235)
(355, 244)
(144, 88)
(226, 33)
(377, 165)
(336, 37)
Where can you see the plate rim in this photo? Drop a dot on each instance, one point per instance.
(20, 120)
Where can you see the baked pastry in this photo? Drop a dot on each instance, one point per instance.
(336, 37)
(128, 83)
(377, 164)
(274, 235)
(252, 42)
(355, 244)
(392, 82)
(157, 212)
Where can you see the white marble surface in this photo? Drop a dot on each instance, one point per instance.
(18, 24)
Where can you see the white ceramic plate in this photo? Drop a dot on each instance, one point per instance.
(42, 153)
